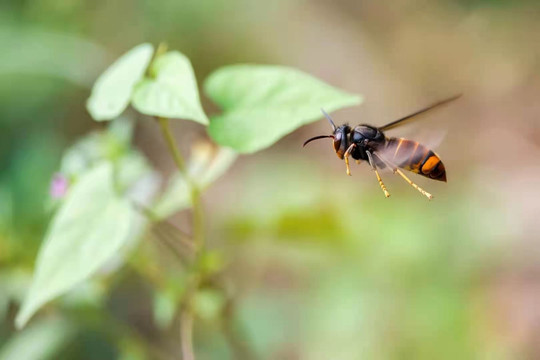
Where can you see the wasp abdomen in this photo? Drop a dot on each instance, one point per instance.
(413, 156)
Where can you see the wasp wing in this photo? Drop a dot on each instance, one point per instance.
(414, 116)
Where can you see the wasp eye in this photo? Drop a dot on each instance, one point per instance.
(337, 141)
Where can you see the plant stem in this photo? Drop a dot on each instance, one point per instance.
(186, 315)
(198, 221)
(178, 159)
(186, 334)
(198, 215)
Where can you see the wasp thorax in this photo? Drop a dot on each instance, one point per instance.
(366, 132)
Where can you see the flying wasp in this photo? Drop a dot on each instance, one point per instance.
(368, 143)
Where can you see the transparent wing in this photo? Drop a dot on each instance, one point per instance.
(416, 115)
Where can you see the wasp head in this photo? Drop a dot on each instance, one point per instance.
(340, 136)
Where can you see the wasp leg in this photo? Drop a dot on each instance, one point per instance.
(424, 192)
(400, 173)
(346, 157)
(358, 161)
(374, 168)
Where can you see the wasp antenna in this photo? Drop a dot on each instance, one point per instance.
(317, 138)
(329, 119)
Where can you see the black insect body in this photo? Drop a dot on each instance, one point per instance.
(369, 143)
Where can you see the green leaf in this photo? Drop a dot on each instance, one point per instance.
(112, 91)
(88, 230)
(172, 92)
(40, 341)
(264, 103)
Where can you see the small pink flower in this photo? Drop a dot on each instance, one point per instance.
(59, 186)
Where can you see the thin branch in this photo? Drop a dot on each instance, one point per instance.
(178, 159)
(198, 215)
(186, 334)
(186, 316)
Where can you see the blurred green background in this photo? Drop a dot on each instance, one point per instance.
(324, 267)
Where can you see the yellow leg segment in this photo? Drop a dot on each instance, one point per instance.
(374, 168)
(346, 157)
(383, 187)
(347, 164)
(424, 192)
(397, 170)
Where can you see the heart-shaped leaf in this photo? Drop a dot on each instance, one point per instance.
(264, 103)
(88, 230)
(112, 91)
(172, 92)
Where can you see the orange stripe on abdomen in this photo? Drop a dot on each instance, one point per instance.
(413, 156)
(406, 153)
(433, 167)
